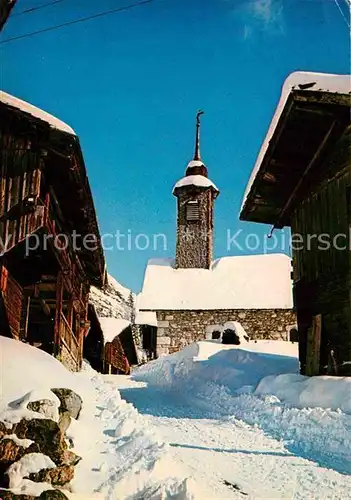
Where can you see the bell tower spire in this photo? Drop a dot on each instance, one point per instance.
(197, 166)
(195, 194)
(197, 155)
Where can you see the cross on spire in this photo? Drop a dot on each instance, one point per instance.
(197, 155)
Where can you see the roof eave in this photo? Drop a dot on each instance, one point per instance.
(256, 209)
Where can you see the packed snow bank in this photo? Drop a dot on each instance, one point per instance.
(27, 371)
(120, 457)
(259, 383)
(262, 367)
(209, 362)
(309, 392)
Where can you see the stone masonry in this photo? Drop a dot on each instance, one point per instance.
(176, 329)
(195, 239)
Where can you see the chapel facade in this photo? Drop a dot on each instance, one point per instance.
(193, 297)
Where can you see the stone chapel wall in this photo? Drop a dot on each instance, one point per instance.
(176, 329)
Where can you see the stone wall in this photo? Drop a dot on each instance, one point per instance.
(195, 238)
(177, 329)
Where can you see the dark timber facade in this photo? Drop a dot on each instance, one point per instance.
(45, 198)
(6, 7)
(304, 181)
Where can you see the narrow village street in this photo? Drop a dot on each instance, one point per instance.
(175, 272)
(224, 455)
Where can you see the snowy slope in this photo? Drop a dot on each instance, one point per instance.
(240, 282)
(121, 457)
(113, 302)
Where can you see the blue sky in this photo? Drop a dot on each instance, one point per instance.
(130, 84)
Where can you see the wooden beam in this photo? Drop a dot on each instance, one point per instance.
(25, 332)
(303, 177)
(314, 346)
(59, 299)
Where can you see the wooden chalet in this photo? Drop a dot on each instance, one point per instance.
(302, 179)
(50, 244)
(105, 352)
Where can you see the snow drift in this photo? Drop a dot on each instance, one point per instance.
(121, 458)
(251, 367)
(259, 383)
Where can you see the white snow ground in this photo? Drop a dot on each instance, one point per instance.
(240, 440)
(122, 458)
(209, 425)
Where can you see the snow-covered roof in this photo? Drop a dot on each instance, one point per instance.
(195, 180)
(302, 81)
(146, 318)
(195, 163)
(111, 327)
(26, 107)
(243, 282)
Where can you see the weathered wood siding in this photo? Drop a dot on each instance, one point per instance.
(114, 356)
(322, 270)
(12, 299)
(20, 175)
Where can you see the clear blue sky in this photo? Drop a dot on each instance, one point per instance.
(130, 84)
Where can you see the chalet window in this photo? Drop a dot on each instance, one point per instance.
(192, 210)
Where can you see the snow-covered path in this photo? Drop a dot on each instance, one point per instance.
(226, 456)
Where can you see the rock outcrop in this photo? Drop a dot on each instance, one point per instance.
(46, 495)
(46, 437)
(45, 406)
(71, 402)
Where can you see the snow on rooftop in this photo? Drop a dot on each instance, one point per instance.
(319, 82)
(146, 318)
(111, 327)
(195, 180)
(26, 107)
(243, 282)
(195, 163)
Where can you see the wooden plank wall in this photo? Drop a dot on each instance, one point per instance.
(12, 295)
(20, 178)
(114, 355)
(322, 275)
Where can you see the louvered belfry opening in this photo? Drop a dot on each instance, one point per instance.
(192, 211)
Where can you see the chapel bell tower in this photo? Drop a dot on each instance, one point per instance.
(195, 202)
